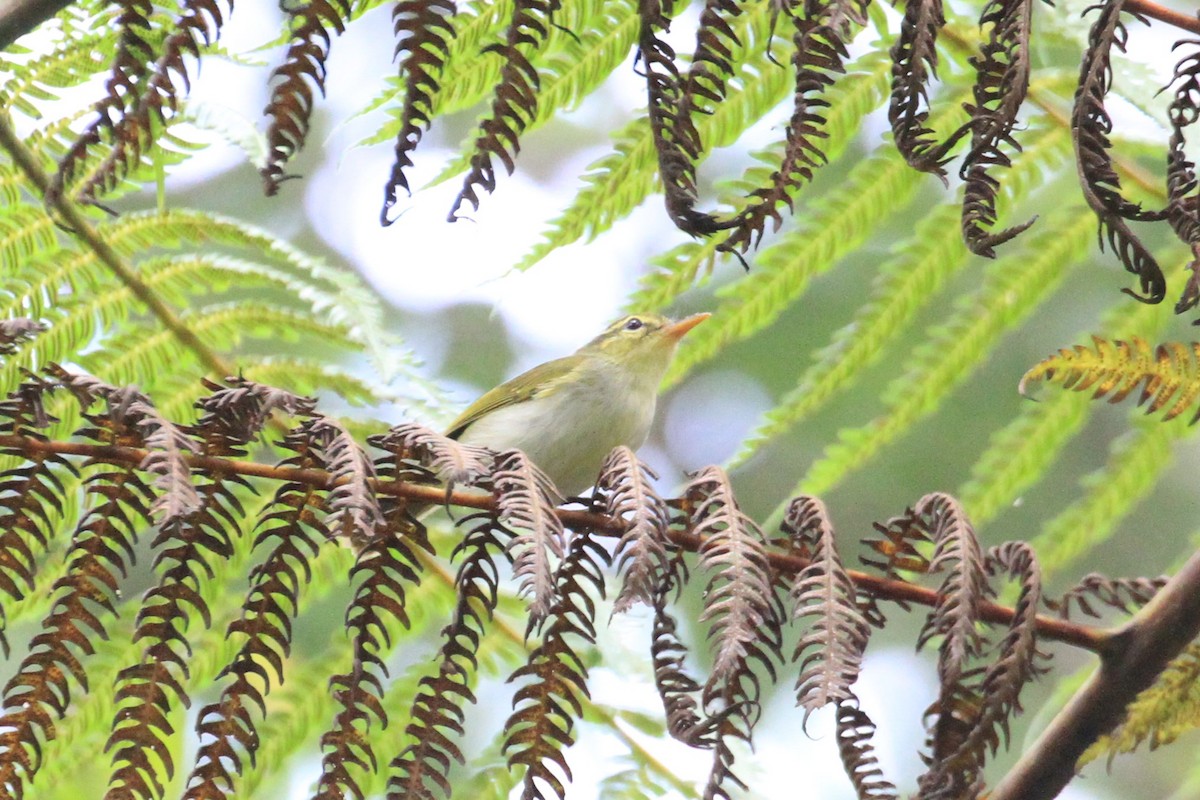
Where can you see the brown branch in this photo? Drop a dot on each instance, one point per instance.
(1083, 636)
(19, 17)
(1146, 8)
(1129, 663)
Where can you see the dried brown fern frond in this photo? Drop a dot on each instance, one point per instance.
(676, 140)
(677, 689)
(1183, 203)
(541, 726)
(525, 502)
(703, 87)
(514, 101)
(624, 491)
(200, 21)
(958, 553)
(423, 30)
(101, 549)
(130, 68)
(303, 68)
(1123, 594)
(818, 56)
(354, 512)
(972, 715)
(830, 652)
(438, 710)
(855, 730)
(1101, 186)
(15, 331)
(1169, 375)
(238, 411)
(914, 66)
(292, 524)
(30, 493)
(386, 566)
(450, 460)
(1001, 83)
(744, 612)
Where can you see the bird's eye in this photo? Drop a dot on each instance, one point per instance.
(633, 324)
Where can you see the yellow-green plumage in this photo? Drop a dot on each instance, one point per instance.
(567, 414)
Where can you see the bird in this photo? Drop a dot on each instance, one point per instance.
(566, 415)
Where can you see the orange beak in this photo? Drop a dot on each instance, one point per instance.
(676, 330)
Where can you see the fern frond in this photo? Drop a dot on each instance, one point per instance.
(545, 709)
(1169, 376)
(1135, 462)
(1161, 714)
(830, 651)
(624, 492)
(525, 501)
(740, 601)
(303, 68)
(1124, 594)
(955, 346)
(569, 73)
(855, 730)
(619, 182)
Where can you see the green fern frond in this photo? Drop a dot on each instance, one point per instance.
(1021, 452)
(1013, 287)
(1160, 714)
(1135, 463)
(905, 284)
(25, 231)
(1169, 376)
(74, 61)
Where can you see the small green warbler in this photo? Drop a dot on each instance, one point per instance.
(567, 414)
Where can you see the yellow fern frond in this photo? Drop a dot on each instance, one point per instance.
(1169, 374)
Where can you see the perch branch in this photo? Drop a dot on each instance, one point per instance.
(1130, 662)
(1083, 636)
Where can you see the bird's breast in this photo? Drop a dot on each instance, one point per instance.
(569, 432)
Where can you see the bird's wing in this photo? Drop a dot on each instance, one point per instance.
(541, 381)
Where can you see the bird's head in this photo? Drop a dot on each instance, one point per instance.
(642, 342)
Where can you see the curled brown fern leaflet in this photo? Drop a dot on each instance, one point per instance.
(703, 87)
(199, 21)
(31, 492)
(830, 651)
(292, 525)
(545, 709)
(914, 66)
(624, 491)
(438, 712)
(385, 564)
(1001, 83)
(100, 552)
(676, 140)
(130, 67)
(525, 501)
(677, 689)
(303, 67)
(995, 698)
(817, 57)
(1123, 594)
(423, 29)
(514, 101)
(743, 610)
(855, 730)
(1101, 186)
(1183, 204)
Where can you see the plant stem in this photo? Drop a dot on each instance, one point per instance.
(1095, 639)
(1131, 661)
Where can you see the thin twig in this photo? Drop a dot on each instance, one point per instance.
(1130, 663)
(1093, 639)
(1163, 14)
